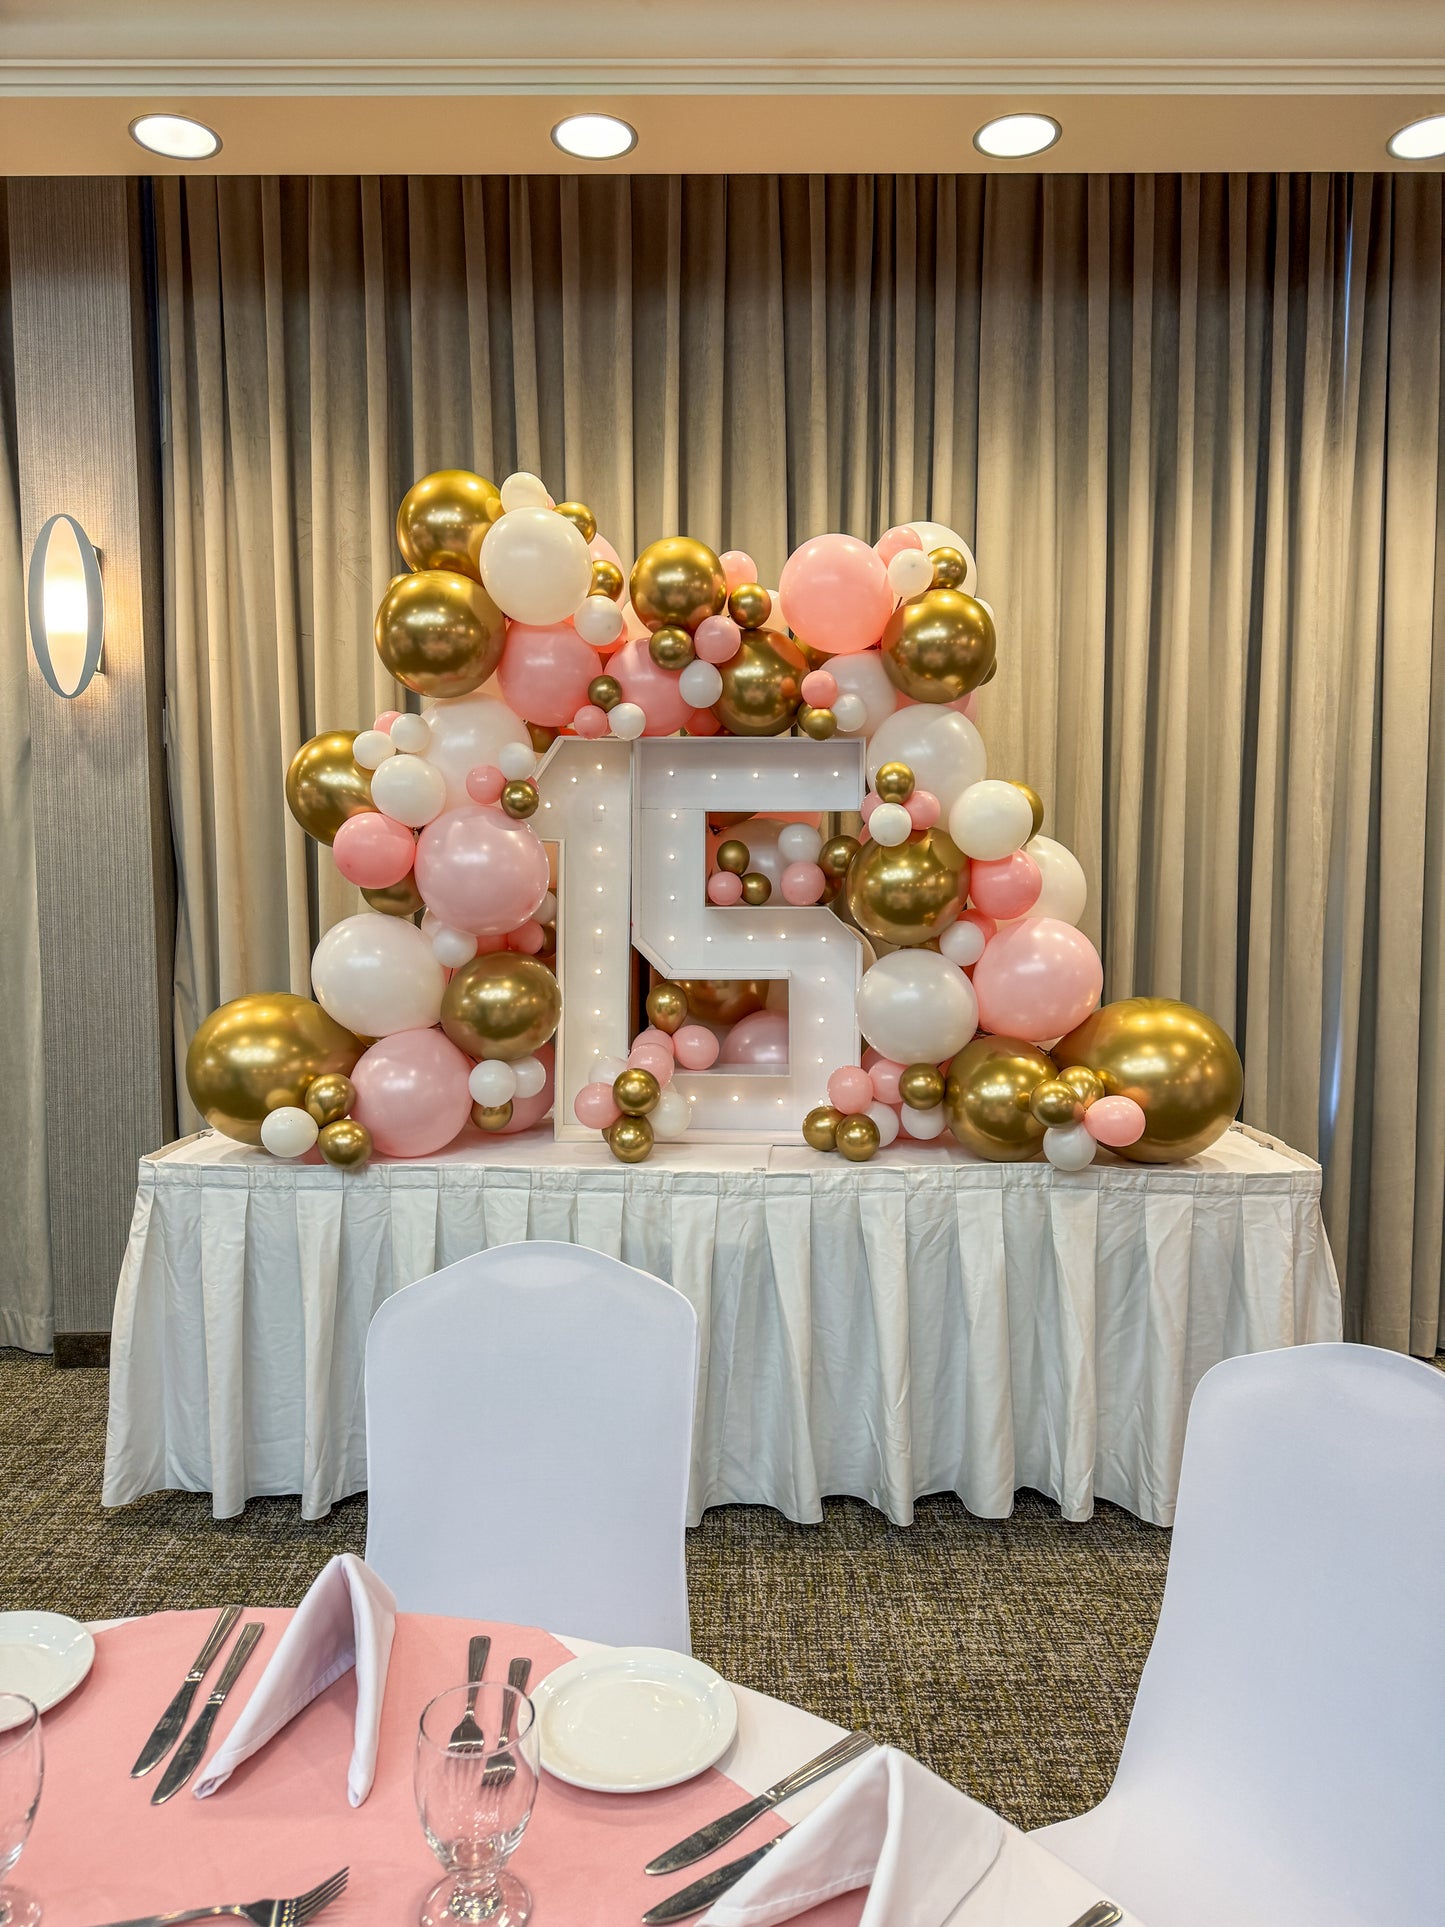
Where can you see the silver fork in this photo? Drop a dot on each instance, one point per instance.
(466, 1733)
(262, 1913)
(500, 1765)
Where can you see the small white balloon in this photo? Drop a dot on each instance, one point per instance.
(547, 909)
(700, 684)
(1066, 889)
(492, 1082)
(531, 1076)
(516, 760)
(991, 820)
(962, 944)
(850, 712)
(452, 948)
(671, 1114)
(886, 1118)
(799, 843)
(409, 789)
(599, 621)
(890, 824)
(411, 734)
(371, 748)
(923, 1124)
(910, 573)
(608, 1069)
(1068, 1147)
(523, 490)
(288, 1131)
(626, 720)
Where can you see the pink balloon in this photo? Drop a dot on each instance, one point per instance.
(411, 1092)
(1115, 1121)
(820, 688)
(717, 639)
(655, 691)
(651, 1057)
(884, 1074)
(654, 1036)
(373, 851)
(601, 550)
(723, 888)
(528, 937)
(986, 924)
(870, 803)
(924, 809)
(969, 706)
(895, 542)
(596, 1107)
(591, 722)
(1037, 979)
(837, 593)
(481, 871)
(850, 1089)
(1007, 887)
(739, 567)
(485, 783)
(527, 1111)
(695, 1046)
(803, 883)
(544, 672)
(702, 722)
(759, 1039)
(385, 720)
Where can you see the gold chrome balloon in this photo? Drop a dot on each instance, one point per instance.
(501, 1005)
(723, 1000)
(1086, 1085)
(836, 854)
(629, 1139)
(325, 784)
(733, 856)
(756, 888)
(542, 737)
(440, 633)
(1055, 1103)
(921, 1087)
(443, 520)
(344, 1143)
(908, 892)
(894, 782)
(581, 518)
(1036, 804)
(259, 1052)
(330, 1096)
(607, 579)
(820, 1127)
(492, 1117)
(671, 647)
(762, 685)
(605, 692)
(635, 1091)
(987, 1094)
(1170, 1058)
(939, 646)
(520, 797)
(819, 724)
(750, 605)
(399, 900)
(677, 581)
(950, 568)
(667, 1007)
(857, 1138)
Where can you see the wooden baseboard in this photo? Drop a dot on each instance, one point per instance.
(81, 1348)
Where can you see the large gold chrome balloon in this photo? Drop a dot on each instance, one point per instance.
(325, 784)
(1171, 1059)
(677, 581)
(939, 646)
(990, 1083)
(259, 1052)
(908, 892)
(723, 1000)
(443, 519)
(501, 1005)
(762, 685)
(439, 632)
(398, 900)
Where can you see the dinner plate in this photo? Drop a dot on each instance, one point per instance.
(43, 1655)
(632, 1719)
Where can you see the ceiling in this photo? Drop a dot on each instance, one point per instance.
(718, 86)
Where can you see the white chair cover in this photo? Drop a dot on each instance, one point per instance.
(1285, 1761)
(529, 1423)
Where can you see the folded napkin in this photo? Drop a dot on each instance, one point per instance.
(347, 1619)
(916, 1843)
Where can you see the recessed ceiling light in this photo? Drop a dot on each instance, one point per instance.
(1422, 140)
(1012, 136)
(594, 137)
(176, 136)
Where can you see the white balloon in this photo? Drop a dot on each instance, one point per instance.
(962, 943)
(608, 1069)
(288, 1131)
(799, 843)
(523, 490)
(377, 975)
(671, 1114)
(916, 1007)
(546, 911)
(598, 621)
(451, 948)
(990, 820)
(492, 1082)
(535, 566)
(700, 684)
(1068, 1147)
(371, 748)
(940, 745)
(412, 734)
(516, 760)
(886, 1118)
(890, 824)
(410, 789)
(1066, 889)
(466, 731)
(923, 1124)
(861, 678)
(531, 1076)
(850, 713)
(627, 720)
(910, 573)
(934, 535)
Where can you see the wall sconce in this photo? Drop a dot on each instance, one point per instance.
(67, 605)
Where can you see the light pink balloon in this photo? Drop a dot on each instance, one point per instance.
(601, 550)
(481, 871)
(803, 883)
(717, 639)
(385, 720)
(837, 593)
(761, 1038)
(969, 706)
(656, 692)
(739, 567)
(485, 783)
(986, 924)
(695, 1046)
(528, 938)
(527, 1111)
(1007, 887)
(820, 688)
(1115, 1121)
(544, 672)
(1037, 979)
(373, 850)
(870, 803)
(924, 809)
(591, 722)
(652, 1035)
(884, 1075)
(411, 1092)
(724, 889)
(596, 1107)
(651, 1057)
(850, 1089)
(895, 542)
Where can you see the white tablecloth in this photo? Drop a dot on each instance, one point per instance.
(924, 1323)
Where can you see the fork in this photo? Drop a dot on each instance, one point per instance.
(262, 1913)
(501, 1766)
(466, 1734)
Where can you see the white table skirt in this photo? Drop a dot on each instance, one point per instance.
(924, 1323)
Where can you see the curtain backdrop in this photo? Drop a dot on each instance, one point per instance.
(1193, 427)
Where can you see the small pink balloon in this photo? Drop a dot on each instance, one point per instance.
(601, 550)
(527, 1111)
(702, 722)
(870, 803)
(373, 851)
(485, 783)
(696, 1047)
(837, 594)
(884, 1074)
(895, 542)
(596, 1107)
(481, 871)
(988, 925)
(739, 567)
(1115, 1121)
(723, 888)
(969, 706)
(717, 639)
(850, 1090)
(652, 1035)
(803, 883)
(591, 722)
(528, 937)
(385, 720)
(544, 672)
(650, 1057)
(411, 1092)
(761, 1038)
(655, 691)
(1037, 979)
(924, 809)
(820, 688)
(1007, 887)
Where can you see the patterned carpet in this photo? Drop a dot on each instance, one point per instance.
(1003, 1653)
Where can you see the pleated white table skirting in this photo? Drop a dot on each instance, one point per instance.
(924, 1323)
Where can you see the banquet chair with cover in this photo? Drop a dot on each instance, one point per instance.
(529, 1439)
(1285, 1759)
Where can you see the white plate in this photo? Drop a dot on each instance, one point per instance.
(633, 1718)
(43, 1655)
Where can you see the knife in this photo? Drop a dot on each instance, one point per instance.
(188, 1754)
(168, 1727)
(1103, 1913)
(697, 1898)
(708, 1839)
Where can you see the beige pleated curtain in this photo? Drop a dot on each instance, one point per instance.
(1193, 427)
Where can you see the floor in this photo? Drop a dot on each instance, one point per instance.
(1003, 1653)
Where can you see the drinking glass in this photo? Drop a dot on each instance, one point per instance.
(475, 1800)
(21, 1771)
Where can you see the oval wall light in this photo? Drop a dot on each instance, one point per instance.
(67, 605)
(1014, 136)
(177, 136)
(595, 137)
(1422, 140)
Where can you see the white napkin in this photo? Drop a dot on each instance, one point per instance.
(347, 1619)
(917, 1844)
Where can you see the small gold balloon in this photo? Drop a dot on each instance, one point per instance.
(1055, 1104)
(520, 797)
(543, 737)
(636, 1091)
(894, 782)
(723, 1000)
(260, 1052)
(950, 568)
(503, 1005)
(819, 724)
(443, 520)
(820, 1127)
(671, 647)
(939, 646)
(492, 1117)
(750, 606)
(629, 1139)
(906, 893)
(733, 856)
(836, 854)
(921, 1087)
(607, 579)
(1173, 1060)
(399, 900)
(605, 692)
(677, 581)
(857, 1138)
(440, 633)
(756, 888)
(667, 1007)
(987, 1094)
(1087, 1085)
(330, 1096)
(344, 1143)
(762, 685)
(581, 518)
(325, 784)
(1036, 804)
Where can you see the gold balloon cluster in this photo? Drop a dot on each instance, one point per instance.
(939, 646)
(854, 1135)
(676, 583)
(734, 856)
(635, 1092)
(502, 1005)
(1174, 1061)
(762, 684)
(257, 1053)
(342, 1139)
(325, 784)
(907, 893)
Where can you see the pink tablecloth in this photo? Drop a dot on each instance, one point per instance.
(99, 1851)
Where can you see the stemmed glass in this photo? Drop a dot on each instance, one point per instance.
(475, 1799)
(21, 1771)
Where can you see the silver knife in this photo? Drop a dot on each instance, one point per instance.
(697, 1898)
(168, 1727)
(188, 1753)
(1103, 1913)
(708, 1839)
